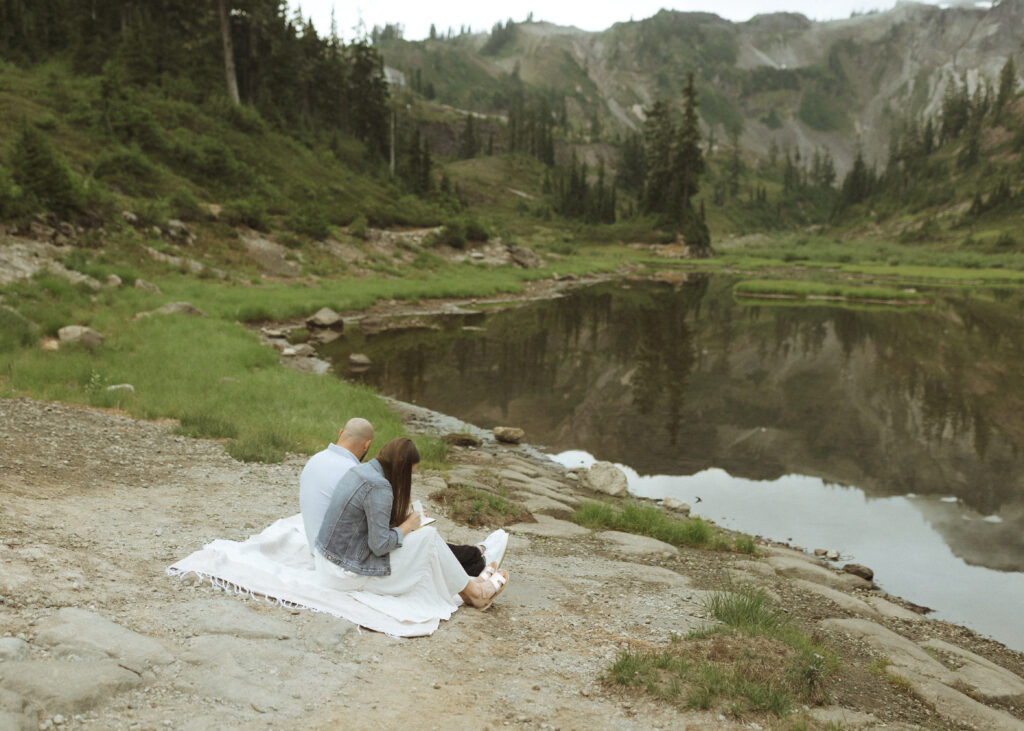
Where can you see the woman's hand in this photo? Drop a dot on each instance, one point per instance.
(410, 524)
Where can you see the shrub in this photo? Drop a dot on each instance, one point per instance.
(452, 234)
(210, 160)
(241, 116)
(250, 212)
(311, 221)
(41, 173)
(358, 227)
(15, 330)
(185, 206)
(151, 213)
(12, 203)
(129, 169)
(475, 230)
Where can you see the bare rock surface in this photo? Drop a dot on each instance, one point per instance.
(632, 544)
(97, 637)
(73, 631)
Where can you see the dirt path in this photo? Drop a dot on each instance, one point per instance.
(96, 505)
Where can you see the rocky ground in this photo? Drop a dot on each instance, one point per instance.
(96, 505)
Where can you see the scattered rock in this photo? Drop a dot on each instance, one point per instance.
(324, 336)
(113, 280)
(820, 552)
(359, 360)
(179, 231)
(12, 648)
(461, 439)
(302, 350)
(632, 544)
(508, 434)
(129, 217)
(179, 308)
(675, 504)
(80, 334)
(605, 477)
(524, 257)
(327, 318)
(859, 570)
(307, 365)
(832, 555)
(806, 569)
(147, 286)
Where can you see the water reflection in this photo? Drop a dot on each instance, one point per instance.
(815, 514)
(681, 379)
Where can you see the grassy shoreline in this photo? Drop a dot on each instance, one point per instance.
(213, 375)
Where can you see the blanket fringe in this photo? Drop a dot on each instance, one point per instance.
(235, 589)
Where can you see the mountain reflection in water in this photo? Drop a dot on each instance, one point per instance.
(680, 379)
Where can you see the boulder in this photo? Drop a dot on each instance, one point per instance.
(147, 286)
(832, 555)
(326, 318)
(302, 350)
(80, 334)
(675, 504)
(524, 257)
(605, 477)
(129, 217)
(359, 360)
(179, 308)
(13, 648)
(461, 439)
(858, 570)
(113, 280)
(508, 434)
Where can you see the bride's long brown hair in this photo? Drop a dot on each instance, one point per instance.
(397, 458)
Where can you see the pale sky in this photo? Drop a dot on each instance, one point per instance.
(416, 16)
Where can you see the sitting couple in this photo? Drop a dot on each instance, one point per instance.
(364, 537)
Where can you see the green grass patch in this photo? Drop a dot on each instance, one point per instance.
(645, 520)
(801, 288)
(756, 662)
(481, 508)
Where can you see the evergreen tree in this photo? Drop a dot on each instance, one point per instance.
(1007, 85)
(468, 146)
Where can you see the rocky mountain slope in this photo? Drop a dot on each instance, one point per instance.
(781, 78)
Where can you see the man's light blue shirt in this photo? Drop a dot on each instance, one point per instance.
(319, 477)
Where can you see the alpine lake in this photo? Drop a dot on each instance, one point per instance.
(894, 436)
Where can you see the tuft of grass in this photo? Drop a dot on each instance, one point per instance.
(475, 507)
(745, 544)
(645, 520)
(880, 668)
(755, 662)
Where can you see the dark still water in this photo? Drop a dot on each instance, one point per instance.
(894, 437)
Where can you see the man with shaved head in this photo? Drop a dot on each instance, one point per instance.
(324, 469)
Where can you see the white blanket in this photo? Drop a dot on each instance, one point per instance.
(277, 564)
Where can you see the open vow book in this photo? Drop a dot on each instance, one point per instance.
(424, 520)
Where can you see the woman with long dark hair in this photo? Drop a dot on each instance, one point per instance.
(369, 541)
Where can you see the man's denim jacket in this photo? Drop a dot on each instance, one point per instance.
(355, 534)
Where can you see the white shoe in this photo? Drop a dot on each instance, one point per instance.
(494, 547)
